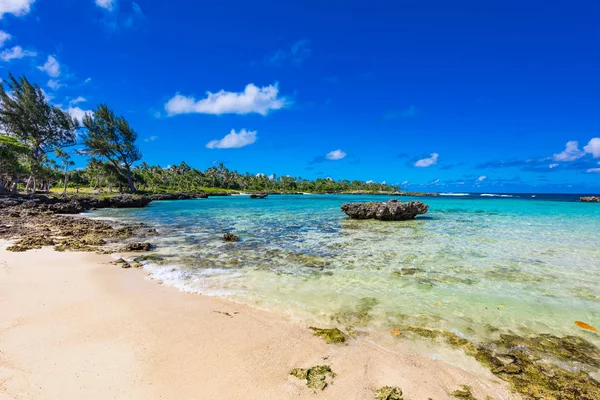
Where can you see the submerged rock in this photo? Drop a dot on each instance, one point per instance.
(389, 393)
(392, 210)
(148, 257)
(333, 335)
(230, 237)
(316, 377)
(137, 246)
(259, 195)
(360, 316)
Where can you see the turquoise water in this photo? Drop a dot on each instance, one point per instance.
(474, 265)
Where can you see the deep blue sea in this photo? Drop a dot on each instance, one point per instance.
(476, 264)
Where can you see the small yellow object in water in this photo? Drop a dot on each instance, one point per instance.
(396, 332)
(583, 325)
(500, 305)
(439, 303)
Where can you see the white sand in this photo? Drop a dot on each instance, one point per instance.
(74, 327)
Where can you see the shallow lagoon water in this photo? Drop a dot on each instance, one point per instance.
(474, 265)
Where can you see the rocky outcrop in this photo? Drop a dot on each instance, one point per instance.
(590, 199)
(137, 246)
(74, 204)
(230, 237)
(392, 210)
(259, 195)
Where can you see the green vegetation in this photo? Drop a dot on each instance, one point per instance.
(33, 156)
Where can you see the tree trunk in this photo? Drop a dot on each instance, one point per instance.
(132, 188)
(65, 188)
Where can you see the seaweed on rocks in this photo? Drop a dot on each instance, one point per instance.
(317, 377)
(333, 335)
(389, 393)
(541, 366)
(464, 393)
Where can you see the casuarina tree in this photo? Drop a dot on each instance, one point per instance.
(111, 138)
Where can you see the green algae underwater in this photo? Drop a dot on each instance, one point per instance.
(502, 279)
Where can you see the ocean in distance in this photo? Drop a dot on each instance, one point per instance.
(477, 264)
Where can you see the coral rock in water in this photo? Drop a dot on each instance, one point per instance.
(591, 199)
(137, 246)
(392, 210)
(230, 237)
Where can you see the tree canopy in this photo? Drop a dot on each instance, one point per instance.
(110, 137)
(26, 114)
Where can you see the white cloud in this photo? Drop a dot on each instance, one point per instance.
(594, 170)
(428, 162)
(78, 113)
(16, 7)
(233, 140)
(151, 139)
(54, 84)
(106, 4)
(593, 147)
(252, 100)
(88, 80)
(4, 37)
(551, 166)
(335, 155)
(51, 67)
(78, 99)
(16, 52)
(570, 153)
(481, 178)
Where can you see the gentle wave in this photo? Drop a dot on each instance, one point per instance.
(496, 195)
(455, 194)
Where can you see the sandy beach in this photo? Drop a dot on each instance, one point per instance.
(74, 326)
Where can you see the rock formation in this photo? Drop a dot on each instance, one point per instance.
(590, 199)
(392, 210)
(230, 237)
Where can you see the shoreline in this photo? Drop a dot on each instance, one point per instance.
(78, 326)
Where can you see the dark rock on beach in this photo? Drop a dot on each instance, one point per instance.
(392, 210)
(73, 205)
(33, 222)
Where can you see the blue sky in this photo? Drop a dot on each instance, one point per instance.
(434, 95)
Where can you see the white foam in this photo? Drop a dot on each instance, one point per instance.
(195, 281)
(454, 194)
(496, 195)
